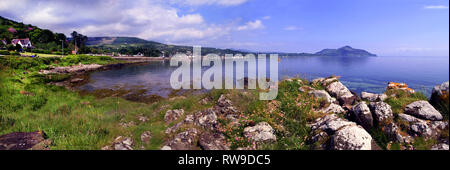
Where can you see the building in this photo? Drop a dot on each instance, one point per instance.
(25, 43)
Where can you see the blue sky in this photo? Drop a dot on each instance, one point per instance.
(384, 27)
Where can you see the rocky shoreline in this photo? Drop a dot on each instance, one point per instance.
(346, 124)
(79, 74)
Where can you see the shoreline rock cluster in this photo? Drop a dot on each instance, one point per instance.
(349, 131)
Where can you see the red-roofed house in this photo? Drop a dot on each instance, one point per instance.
(25, 43)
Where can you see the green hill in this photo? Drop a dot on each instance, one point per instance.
(42, 39)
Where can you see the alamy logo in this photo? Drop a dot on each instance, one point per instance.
(190, 74)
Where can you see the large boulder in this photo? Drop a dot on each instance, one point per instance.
(423, 110)
(172, 115)
(338, 90)
(352, 138)
(213, 141)
(440, 97)
(419, 127)
(24, 140)
(322, 94)
(363, 115)
(262, 132)
(382, 112)
(373, 97)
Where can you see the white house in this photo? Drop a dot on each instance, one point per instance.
(25, 43)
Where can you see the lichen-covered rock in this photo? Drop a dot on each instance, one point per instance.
(373, 97)
(332, 108)
(123, 143)
(423, 110)
(440, 97)
(381, 111)
(184, 140)
(172, 115)
(213, 141)
(322, 94)
(330, 123)
(363, 115)
(262, 132)
(352, 138)
(394, 133)
(338, 90)
(207, 119)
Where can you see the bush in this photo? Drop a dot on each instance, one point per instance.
(41, 51)
(4, 52)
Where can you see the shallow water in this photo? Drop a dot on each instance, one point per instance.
(359, 74)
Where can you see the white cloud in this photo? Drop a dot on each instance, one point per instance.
(210, 2)
(436, 7)
(291, 28)
(267, 17)
(156, 20)
(252, 25)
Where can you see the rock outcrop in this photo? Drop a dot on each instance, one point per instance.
(338, 90)
(262, 132)
(352, 138)
(373, 97)
(172, 115)
(213, 141)
(322, 94)
(363, 115)
(334, 133)
(382, 112)
(424, 110)
(24, 141)
(183, 141)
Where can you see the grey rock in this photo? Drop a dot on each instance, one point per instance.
(373, 97)
(262, 132)
(363, 115)
(332, 108)
(172, 115)
(184, 140)
(322, 94)
(213, 141)
(352, 138)
(123, 143)
(423, 110)
(381, 111)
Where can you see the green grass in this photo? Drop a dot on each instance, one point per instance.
(402, 99)
(40, 54)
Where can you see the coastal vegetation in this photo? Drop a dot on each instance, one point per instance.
(29, 102)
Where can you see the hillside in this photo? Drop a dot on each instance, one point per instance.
(40, 38)
(132, 45)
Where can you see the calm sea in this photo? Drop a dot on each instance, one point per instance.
(359, 74)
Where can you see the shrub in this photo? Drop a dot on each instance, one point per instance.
(4, 52)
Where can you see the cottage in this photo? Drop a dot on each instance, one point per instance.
(25, 43)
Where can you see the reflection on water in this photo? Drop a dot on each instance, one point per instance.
(358, 73)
